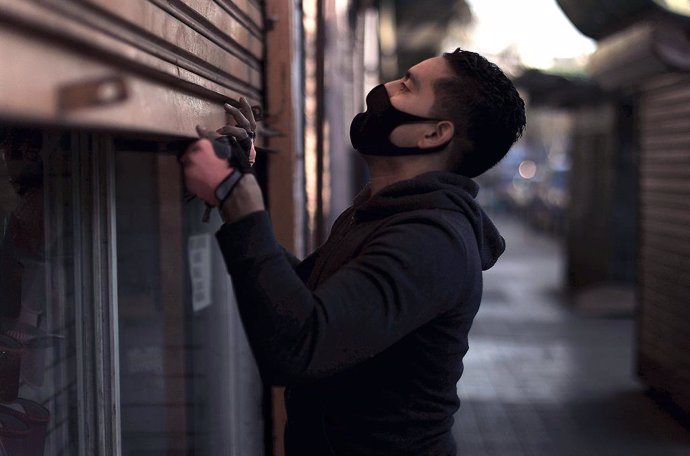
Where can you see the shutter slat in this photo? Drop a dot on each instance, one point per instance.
(664, 201)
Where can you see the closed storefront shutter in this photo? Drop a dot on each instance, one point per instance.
(664, 161)
(154, 66)
(124, 298)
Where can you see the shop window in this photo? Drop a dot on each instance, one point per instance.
(188, 382)
(118, 329)
(38, 344)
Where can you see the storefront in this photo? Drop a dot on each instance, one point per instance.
(118, 331)
(111, 284)
(644, 53)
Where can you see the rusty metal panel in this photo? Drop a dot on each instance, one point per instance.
(664, 328)
(285, 105)
(190, 35)
(174, 62)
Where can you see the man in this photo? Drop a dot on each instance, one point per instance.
(368, 333)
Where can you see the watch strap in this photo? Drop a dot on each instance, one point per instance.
(226, 187)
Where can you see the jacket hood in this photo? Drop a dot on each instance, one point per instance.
(435, 190)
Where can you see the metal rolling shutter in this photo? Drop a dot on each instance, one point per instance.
(178, 61)
(664, 328)
(155, 68)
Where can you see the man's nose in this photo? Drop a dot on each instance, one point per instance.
(391, 88)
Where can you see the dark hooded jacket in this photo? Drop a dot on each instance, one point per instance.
(368, 333)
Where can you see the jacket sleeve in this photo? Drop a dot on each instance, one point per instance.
(405, 276)
(291, 259)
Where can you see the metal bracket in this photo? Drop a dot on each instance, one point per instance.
(92, 93)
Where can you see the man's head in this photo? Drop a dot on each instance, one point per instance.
(465, 107)
(485, 108)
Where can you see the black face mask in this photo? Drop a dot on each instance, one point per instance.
(370, 130)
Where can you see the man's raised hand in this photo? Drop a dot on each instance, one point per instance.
(245, 129)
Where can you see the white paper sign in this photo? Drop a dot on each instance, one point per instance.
(199, 251)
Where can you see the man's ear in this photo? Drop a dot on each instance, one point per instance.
(437, 134)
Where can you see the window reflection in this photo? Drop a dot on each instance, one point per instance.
(187, 380)
(38, 383)
(188, 383)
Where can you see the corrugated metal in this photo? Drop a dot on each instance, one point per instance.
(644, 50)
(178, 59)
(592, 196)
(664, 326)
(201, 35)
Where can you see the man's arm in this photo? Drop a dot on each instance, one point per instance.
(246, 199)
(291, 259)
(406, 276)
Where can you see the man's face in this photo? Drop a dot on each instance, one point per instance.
(414, 94)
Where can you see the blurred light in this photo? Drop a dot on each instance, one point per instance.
(527, 169)
(326, 190)
(371, 51)
(536, 31)
(521, 190)
(341, 7)
(557, 198)
(676, 6)
(559, 162)
(309, 24)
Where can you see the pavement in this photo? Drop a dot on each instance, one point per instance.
(544, 378)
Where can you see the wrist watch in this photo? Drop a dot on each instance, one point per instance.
(226, 187)
(237, 154)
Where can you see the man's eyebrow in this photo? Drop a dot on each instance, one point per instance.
(412, 77)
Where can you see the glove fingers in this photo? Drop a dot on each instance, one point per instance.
(204, 133)
(241, 120)
(245, 144)
(241, 151)
(237, 132)
(246, 109)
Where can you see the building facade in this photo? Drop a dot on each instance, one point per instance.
(118, 331)
(644, 55)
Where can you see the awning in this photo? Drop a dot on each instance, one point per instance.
(639, 52)
(601, 18)
(547, 89)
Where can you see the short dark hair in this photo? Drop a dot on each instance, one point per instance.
(485, 108)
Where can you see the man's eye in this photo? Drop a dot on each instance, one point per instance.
(403, 87)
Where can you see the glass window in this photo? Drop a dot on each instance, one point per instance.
(188, 382)
(38, 374)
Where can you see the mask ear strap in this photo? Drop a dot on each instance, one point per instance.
(423, 150)
(406, 118)
(436, 148)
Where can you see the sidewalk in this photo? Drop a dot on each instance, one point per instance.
(541, 380)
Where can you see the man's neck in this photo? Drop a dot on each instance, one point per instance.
(384, 171)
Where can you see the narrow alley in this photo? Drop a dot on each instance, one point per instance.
(542, 379)
(128, 327)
